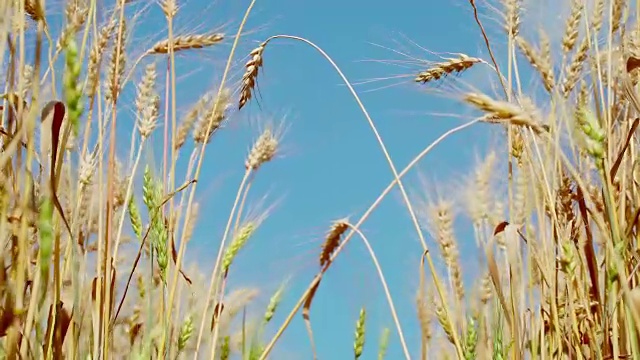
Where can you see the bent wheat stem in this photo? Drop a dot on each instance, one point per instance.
(405, 197)
(387, 293)
(364, 217)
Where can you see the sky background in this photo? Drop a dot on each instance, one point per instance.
(330, 165)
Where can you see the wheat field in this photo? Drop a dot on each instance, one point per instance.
(93, 261)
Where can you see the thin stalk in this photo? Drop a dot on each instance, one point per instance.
(405, 197)
(107, 261)
(202, 149)
(127, 197)
(215, 272)
(364, 217)
(387, 293)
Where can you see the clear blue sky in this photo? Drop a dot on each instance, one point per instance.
(331, 165)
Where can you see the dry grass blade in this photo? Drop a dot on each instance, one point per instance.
(501, 111)
(131, 273)
(442, 69)
(589, 251)
(217, 312)
(186, 42)
(59, 324)
(55, 110)
(632, 63)
(174, 257)
(629, 91)
(625, 146)
(307, 319)
(497, 284)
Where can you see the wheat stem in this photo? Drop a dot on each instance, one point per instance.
(405, 197)
(387, 293)
(364, 217)
(216, 268)
(202, 149)
(107, 261)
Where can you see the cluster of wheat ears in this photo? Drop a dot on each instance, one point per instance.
(560, 252)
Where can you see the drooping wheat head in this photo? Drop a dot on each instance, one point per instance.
(252, 67)
(442, 69)
(332, 241)
(186, 42)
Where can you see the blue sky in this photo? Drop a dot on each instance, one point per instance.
(331, 166)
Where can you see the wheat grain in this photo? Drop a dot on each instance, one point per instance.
(76, 14)
(597, 16)
(571, 31)
(27, 77)
(541, 62)
(574, 69)
(358, 344)
(189, 120)
(500, 111)
(72, 89)
(169, 8)
(274, 301)
(332, 240)
(117, 65)
(95, 58)
(186, 42)
(186, 331)
(239, 241)
(441, 221)
(34, 9)
(442, 69)
(485, 289)
(512, 17)
(383, 343)
(147, 102)
(444, 322)
(616, 17)
(252, 67)
(88, 164)
(213, 117)
(521, 197)
(264, 149)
